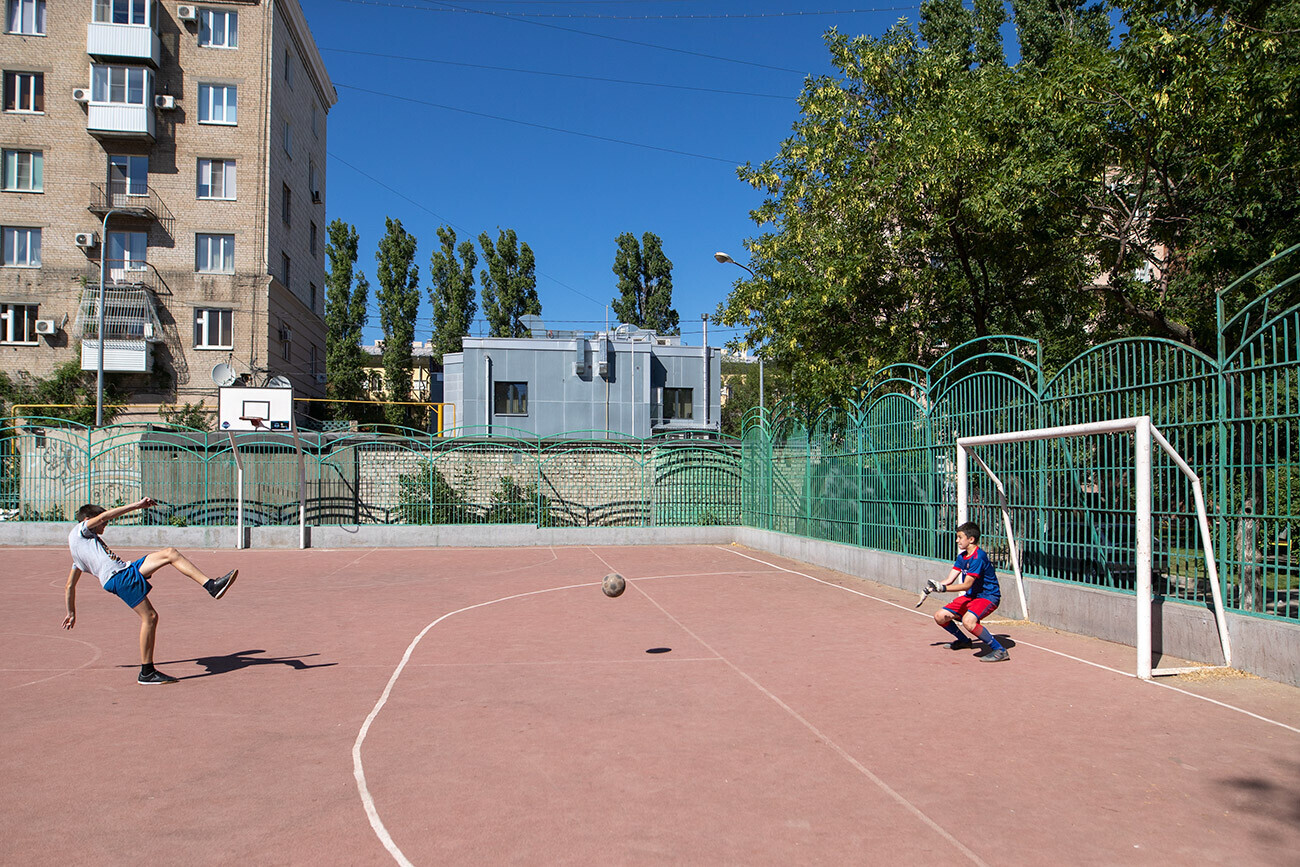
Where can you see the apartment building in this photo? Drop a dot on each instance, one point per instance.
(178, 151)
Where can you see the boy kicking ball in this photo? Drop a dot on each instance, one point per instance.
(978, 584)
(128, 581)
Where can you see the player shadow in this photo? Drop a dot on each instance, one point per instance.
(243, 659)
(1005, 640)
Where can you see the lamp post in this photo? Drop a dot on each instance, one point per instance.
(724, 259)
(103, 254)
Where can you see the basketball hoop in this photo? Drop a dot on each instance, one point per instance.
(254, 420)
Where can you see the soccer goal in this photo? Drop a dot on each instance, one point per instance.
(1143, 433)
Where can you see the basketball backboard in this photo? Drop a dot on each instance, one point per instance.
(255, 409)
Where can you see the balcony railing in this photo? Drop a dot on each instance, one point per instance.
(131, 199)
(120, 119)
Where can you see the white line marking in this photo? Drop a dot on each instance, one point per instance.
(59, 672)
(840, 751)
(1025, 644)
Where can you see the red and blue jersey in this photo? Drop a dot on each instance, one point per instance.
(977, 566)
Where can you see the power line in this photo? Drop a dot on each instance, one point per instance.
(560, 74)
(447, 7)
(540, 125)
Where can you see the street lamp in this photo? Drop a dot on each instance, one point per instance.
(103, 254)
(724, 259)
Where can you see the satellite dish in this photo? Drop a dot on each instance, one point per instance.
(224, 374)
(279, 382)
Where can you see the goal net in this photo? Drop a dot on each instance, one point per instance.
(1083, 498)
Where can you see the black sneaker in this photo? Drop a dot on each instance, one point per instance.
(998, 655)
(963, 644)
(222, 584)
(155, 677)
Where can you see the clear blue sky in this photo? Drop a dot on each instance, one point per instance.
(434, 110)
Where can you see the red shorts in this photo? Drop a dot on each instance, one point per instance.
(980, 607)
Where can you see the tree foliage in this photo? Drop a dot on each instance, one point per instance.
(645, 284)
(399, 301)
(68, 393)
(345, 317)
(509, 283)
(931, 193)
(451, 291)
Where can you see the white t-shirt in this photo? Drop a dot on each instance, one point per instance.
(90, 554)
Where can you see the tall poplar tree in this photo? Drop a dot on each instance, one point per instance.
(509, 283)
(645, 284)
(399, 301)
(345, 316)
(452, 291)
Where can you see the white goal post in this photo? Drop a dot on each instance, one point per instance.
(1143, 433)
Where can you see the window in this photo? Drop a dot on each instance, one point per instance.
(214, 328)
(288, 67)
(315, 112)
(288, 138)
(218, 29)
(216, 179)
(214, 254)
(511, 398)
(217, 103)
(25, 91)
(128, 254)
(286, 202)
(311, 181)
(123, 85)
(311, 241)
(311, 296)
(677, 403)
(128, 175)
(18, 323)
(26, 16)
(24, 171)
(284, 270)
(313, 361)
(120, 11)
(22, 247)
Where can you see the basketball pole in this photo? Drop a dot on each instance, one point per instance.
(239, 492)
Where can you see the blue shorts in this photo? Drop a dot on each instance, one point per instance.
(129, 585)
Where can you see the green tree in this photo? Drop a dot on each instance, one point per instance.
(68, 393)
(399, 301)
(645, 283)
(509, 283)
(452, 291)
(345, 317)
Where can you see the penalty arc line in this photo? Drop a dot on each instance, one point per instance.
(1028, 644)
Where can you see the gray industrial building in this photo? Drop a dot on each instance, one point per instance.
(627, 381)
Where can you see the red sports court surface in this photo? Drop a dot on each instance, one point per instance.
(474, 706)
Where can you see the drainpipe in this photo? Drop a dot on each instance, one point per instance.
(705, 357)
(487, 393)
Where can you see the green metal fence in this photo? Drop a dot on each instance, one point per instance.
(882, 472)
(382, 475)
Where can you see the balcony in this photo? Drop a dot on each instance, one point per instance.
(123, 197)
(120, 120)
(131, 323)
(126, 41)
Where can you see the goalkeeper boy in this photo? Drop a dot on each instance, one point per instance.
(973, 577)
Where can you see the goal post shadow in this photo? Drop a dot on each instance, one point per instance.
(1144, 433)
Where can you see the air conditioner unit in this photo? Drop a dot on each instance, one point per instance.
(164, 100)
(46, 326)
(187, 13)
(286, 335)
(320, 379)
(85, 239)
(81, 94)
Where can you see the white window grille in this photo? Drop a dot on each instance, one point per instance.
(119, 85)
(25, 92)
(121, 12)
(218, 28)
(26, 17)
(216, 179)
(218, 103)
(24, 171)
(214, 328)
(22, 247)
(214, 254)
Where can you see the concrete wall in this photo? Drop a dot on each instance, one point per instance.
(1262, 646)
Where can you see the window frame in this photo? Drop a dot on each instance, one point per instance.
(229, 179)
(37, 17)
(508, 393)
(286, 265)
(203, 252)
(132, 162)
(14, 91)
(131, 8)
(677, 404)
(31, 312)
(286, 205)
(31, 232)
(229, 16)
(229, 103)
(203, 327)
(102, 84)
(35, 170)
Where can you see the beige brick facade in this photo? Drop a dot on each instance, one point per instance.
(76, 168)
